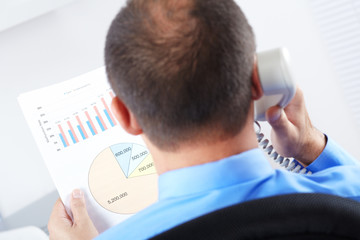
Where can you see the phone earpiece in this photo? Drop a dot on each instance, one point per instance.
(276, 81)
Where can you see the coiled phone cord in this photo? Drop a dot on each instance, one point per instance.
(289, 164)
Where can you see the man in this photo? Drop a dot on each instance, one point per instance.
(185, 77)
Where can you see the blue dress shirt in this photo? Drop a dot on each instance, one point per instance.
(187, 193)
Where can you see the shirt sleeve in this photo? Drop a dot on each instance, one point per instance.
(332, 155)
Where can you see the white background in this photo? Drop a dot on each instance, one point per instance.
(14, 12)
(69, 41)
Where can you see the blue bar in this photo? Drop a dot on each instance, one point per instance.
(63, 140)
(91, 129)
(108, 117)
(81, 132)
(72, 136)
(99, 122)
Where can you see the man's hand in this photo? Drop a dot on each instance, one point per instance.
(292, 133)
(63, 228)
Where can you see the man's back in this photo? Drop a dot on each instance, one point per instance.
(188, 193)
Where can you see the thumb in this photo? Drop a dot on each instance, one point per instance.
(78, 206)
(277, 119)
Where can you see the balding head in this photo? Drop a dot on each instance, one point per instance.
(183, 67)
(169, 15)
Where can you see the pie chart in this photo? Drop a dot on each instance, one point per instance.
(123, 178)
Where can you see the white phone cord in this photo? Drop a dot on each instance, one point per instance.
(289, 164)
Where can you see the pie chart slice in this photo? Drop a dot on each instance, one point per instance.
(138, 154)
(146, 167)
(122, 153)
(123, 179)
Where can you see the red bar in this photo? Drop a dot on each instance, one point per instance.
(82, 127)
(63, 134)
(108, 110)
(111, 94)
(101, 119)
(91, 122)
(73, 132)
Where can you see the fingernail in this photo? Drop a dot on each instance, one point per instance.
(276, 115)
(77, 193)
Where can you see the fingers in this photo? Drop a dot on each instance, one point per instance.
(58, 206)
(59, 211)
(59, 217)
(292, 132)
(284, 134)
(63, 228)
(278, 120)
(78, 206)
(82, 224)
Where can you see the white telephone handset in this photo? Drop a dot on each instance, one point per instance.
(279, 88)
(276, 81)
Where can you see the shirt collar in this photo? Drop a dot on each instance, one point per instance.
(229, 171)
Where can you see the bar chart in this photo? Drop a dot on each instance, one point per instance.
(79, 138)
(90, 120)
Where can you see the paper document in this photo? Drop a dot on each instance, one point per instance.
(84, 147)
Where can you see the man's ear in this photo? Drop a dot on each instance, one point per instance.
(125, 117)
(256, 89)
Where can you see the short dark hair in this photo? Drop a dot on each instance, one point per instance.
(183, 67)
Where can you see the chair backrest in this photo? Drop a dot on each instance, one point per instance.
(294, 216)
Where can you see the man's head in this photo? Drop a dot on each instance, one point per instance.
(183, 68)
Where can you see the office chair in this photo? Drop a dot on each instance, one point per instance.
(306, 216)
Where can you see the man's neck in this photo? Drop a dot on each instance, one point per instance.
(196, 154)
